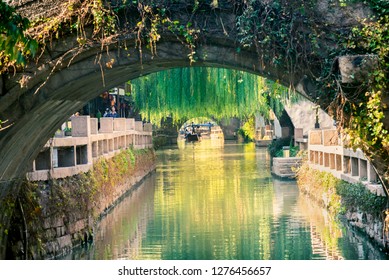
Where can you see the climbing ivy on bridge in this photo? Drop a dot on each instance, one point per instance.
(367, 111)
(365, 123)
(15, 45)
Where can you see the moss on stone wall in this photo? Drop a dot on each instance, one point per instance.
(56, 215)
(338, 195)
(354, 202)
(320, 186)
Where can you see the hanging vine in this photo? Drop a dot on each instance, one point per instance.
(185, 93)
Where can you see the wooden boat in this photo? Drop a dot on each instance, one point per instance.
(192, 137)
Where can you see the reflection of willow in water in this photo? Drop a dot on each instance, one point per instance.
(213, 211)
(325, 231)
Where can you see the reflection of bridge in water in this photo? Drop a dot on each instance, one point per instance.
(327, 235)
(319, 246)
(324, 231)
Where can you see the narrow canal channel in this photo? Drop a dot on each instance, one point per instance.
(219, 201)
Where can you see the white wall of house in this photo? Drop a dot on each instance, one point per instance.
(303, 115)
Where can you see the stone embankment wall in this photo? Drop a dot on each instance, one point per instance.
(60, 214)
(352, 201)
(372, 225)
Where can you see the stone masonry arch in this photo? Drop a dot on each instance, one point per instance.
(36, 100)
(68, 75)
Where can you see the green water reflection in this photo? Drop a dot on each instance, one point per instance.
(219, 201)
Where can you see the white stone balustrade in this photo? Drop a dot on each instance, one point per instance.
(106, 125)
(93, 126)
(130, 124)
(81, 126)
(148, 127)
(139, 126)
(67, 156)
(327, 153)
(119, 124)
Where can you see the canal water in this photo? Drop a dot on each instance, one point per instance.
(211, 200)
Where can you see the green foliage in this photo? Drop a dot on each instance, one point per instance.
(159, 141)
(187, 31)
(276, 147)
(248, 129)
(131, 155)
(75, 17)
(366, 124)
(293, 150)
(15, 45)
(321, 186)
(28, 214)
(275, 29)
(381, 7)
(274, 26)
(357, 196)
(340, 195)
(185, 93)
(104, 19)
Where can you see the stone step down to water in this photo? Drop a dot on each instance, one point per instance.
(284, 167)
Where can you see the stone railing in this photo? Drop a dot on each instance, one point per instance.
(326, 153)
(69, 155)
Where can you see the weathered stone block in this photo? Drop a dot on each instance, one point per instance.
(81, 126)
(315, 137)
(139, 126)
(298, 133)
(93, 126)
(77, 226)
(148, 127)
(330, 137)
(284, 167)
(106, 125)
(119, 124)
(58, 231)
(130, 124)
(356, 68)
(64, 242)
(53, 222)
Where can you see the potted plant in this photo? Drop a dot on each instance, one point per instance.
(68, 131)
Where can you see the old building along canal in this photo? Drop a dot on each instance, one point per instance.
(211, 200)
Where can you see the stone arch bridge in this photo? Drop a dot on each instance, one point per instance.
(35, 101)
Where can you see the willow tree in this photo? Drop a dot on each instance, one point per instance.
(185, 93)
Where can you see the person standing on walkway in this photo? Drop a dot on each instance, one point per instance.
(98, 116)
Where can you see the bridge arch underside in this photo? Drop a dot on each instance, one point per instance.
(37, 114)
